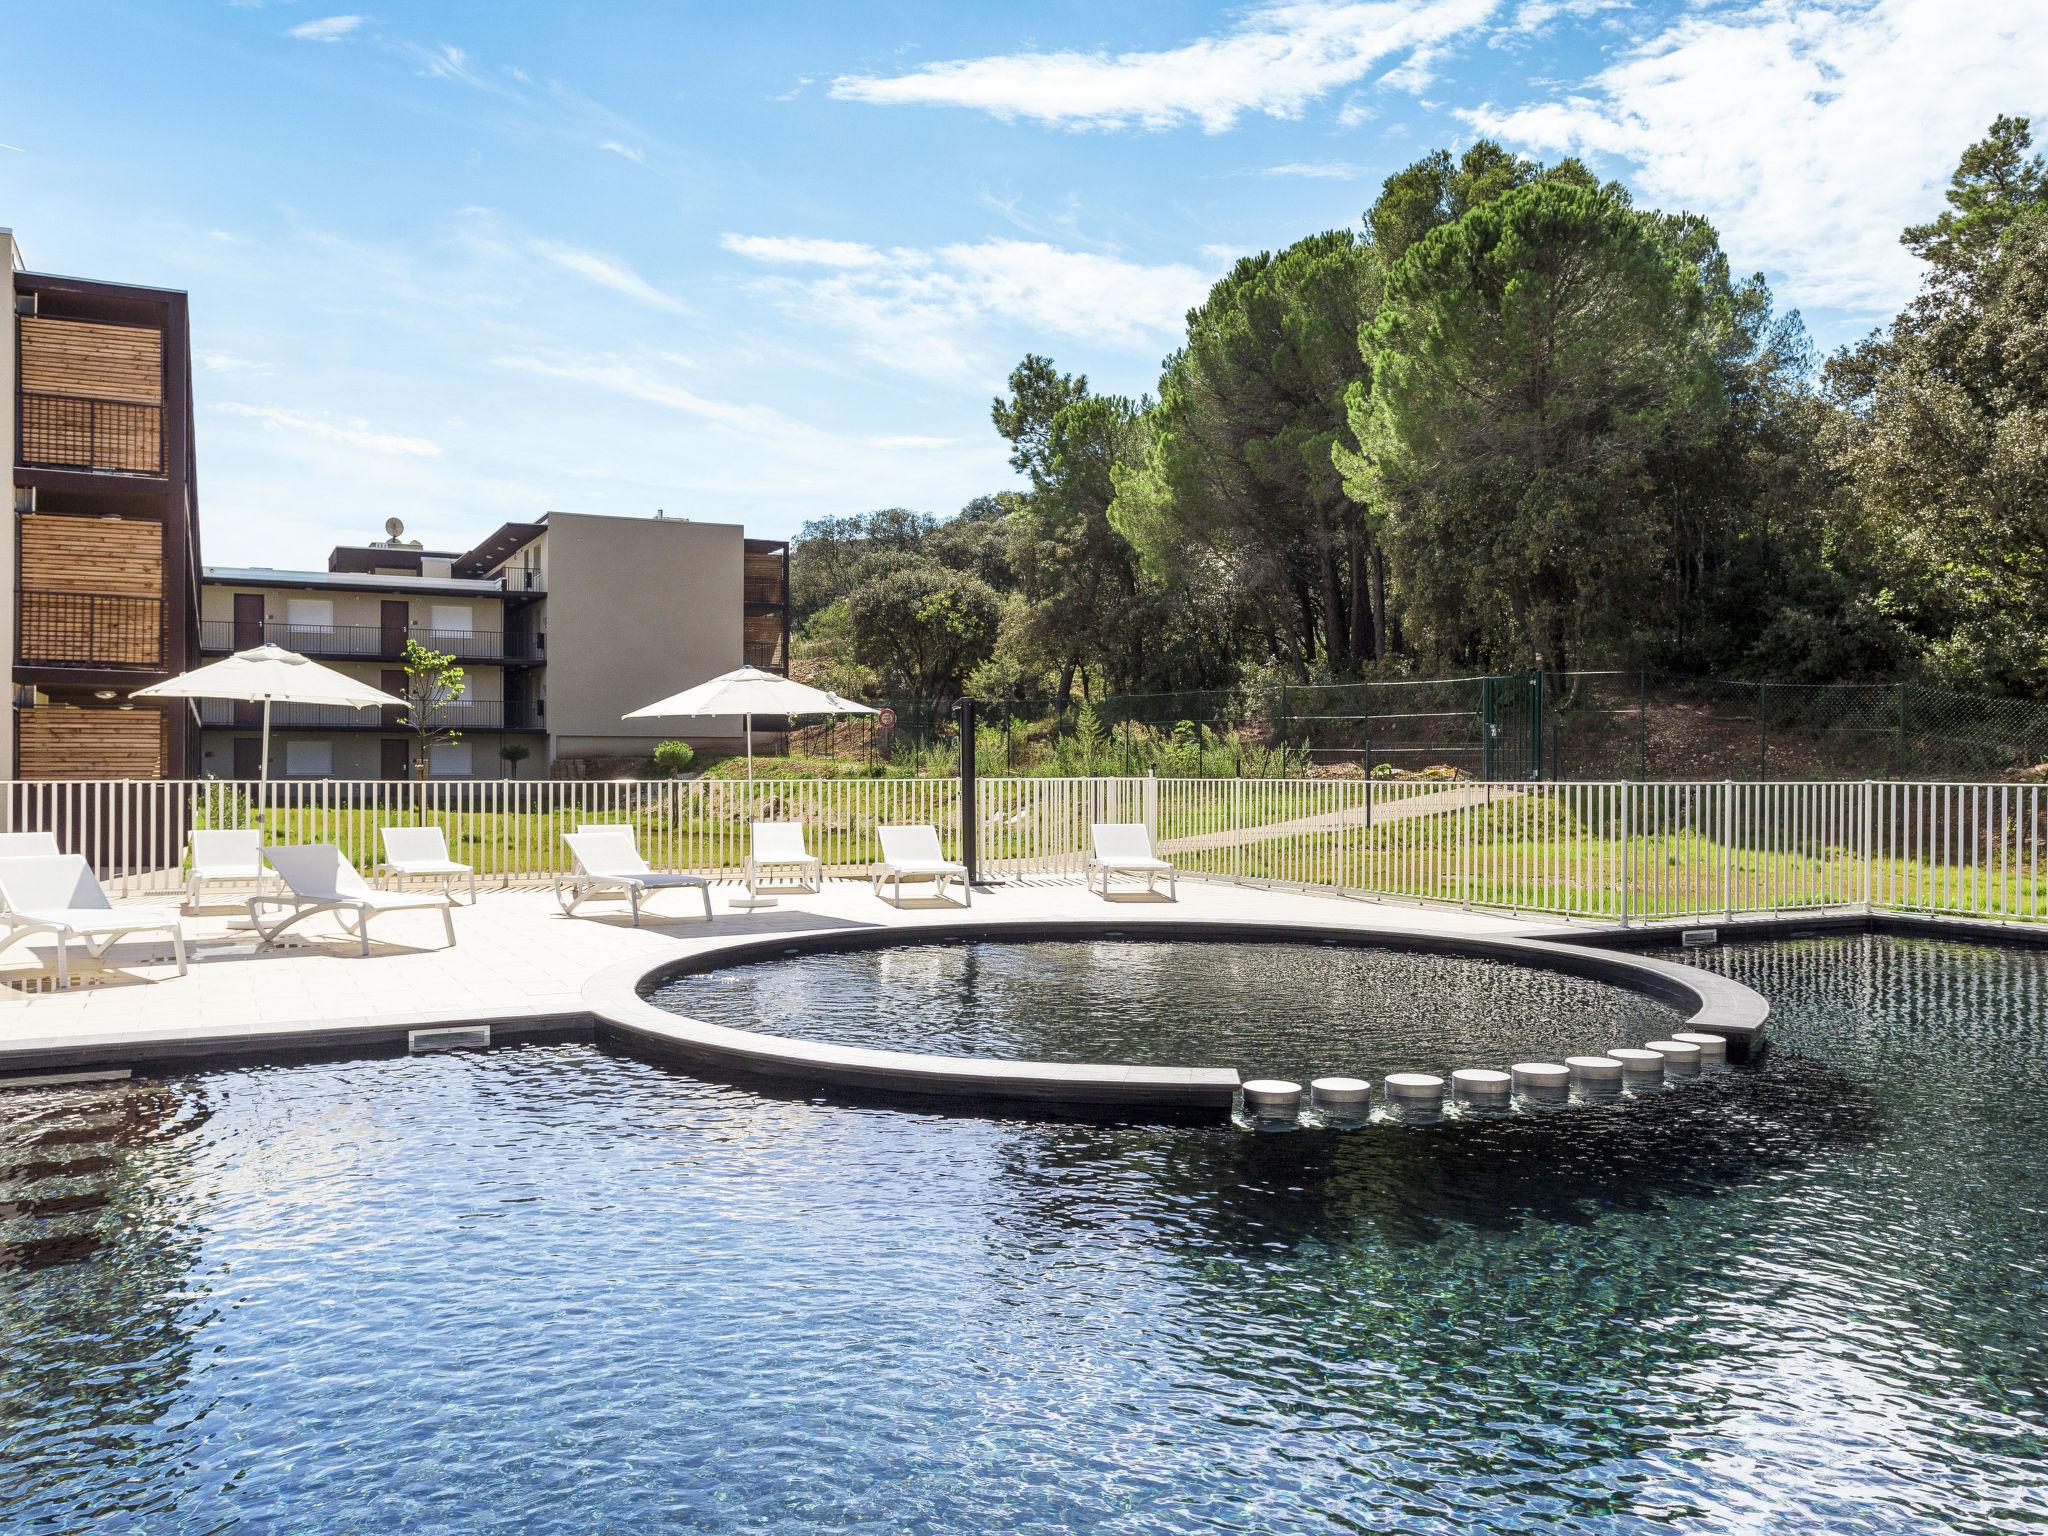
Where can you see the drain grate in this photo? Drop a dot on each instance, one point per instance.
(460, 1037)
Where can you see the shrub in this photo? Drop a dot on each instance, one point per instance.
(673, 757)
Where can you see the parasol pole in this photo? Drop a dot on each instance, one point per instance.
(263, 774)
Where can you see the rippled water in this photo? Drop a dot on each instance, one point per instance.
(1291, 1010)
(552, 1290)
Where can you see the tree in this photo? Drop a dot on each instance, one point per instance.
(433, 682)
(1076, 574)
(922, 628)
(1038, 393)
(1239, 474)
(512, 755)
(1528, 363)
(1437, 190)
(833, 555)
(1996, 184)
(1942, 436)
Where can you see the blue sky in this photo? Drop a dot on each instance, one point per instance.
(461, 263)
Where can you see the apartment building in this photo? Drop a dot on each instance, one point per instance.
(562, 625)
(634, 609)
(357, 616)
(102, 542)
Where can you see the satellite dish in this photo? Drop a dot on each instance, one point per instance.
(394, 528)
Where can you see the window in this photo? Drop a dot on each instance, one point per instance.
(309, 612)
(451, 619)
(309, 759)
(449, 760)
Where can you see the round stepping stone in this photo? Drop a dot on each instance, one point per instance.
(1681, 1057)
(1414, 1090)
(1272, 1098)
(1339, 1092)
(1639, 1066)
(1543, 1081)
(1482, 1087)
(1594, 1074)
(1713, 1048)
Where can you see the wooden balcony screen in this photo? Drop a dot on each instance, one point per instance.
(59, 741)
(91, 395)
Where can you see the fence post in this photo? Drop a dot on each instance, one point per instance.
(1899, 747)
(970, 817)
(1868, 851)
(1150, 791)
(1626, 797)
(1728, 846)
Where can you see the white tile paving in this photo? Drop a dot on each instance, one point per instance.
(517, 957)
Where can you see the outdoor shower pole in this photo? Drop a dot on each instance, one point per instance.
(970, 816)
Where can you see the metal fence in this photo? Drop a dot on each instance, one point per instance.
(1501, 728)
(1615, 850)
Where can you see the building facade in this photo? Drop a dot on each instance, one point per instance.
(562, 625)
(102, 540)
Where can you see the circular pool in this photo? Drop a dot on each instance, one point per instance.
(1267, 1009)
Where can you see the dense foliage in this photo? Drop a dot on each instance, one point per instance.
(1512, 420)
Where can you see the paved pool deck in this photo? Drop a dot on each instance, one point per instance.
(524, 967)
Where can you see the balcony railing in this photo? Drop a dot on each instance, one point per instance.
(371, 641)
(89, 629)
(477, 715)
(82, 432)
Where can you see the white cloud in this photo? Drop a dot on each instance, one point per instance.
(1810, 133)
(229, 363)
(797, 250)
(639, 378)
(910, 443)
(607, 272)
(1277, 61)
(347, 434)
(449, 62)
(1316, 170)
(624, 151)
(1535, 15)
(939, 313)
(328, 29)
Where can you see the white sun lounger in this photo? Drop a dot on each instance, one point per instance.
(779, 845)
(319, 878)
(913, 853)
(423, 851)
(226, 855)
(607, 861)
(1125, 848)
(57, 894)
(29, 845)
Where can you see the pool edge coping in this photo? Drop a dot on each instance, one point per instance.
(1716, 1004)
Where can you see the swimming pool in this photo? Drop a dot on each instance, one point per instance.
(555, 1289)
(1263, 1007)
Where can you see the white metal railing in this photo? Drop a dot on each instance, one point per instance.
(1628, 851)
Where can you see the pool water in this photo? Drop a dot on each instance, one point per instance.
(1290, 1010)
(550, 1289)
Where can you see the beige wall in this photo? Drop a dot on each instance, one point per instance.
(637, 609)
(7, 534)
(354, 609)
